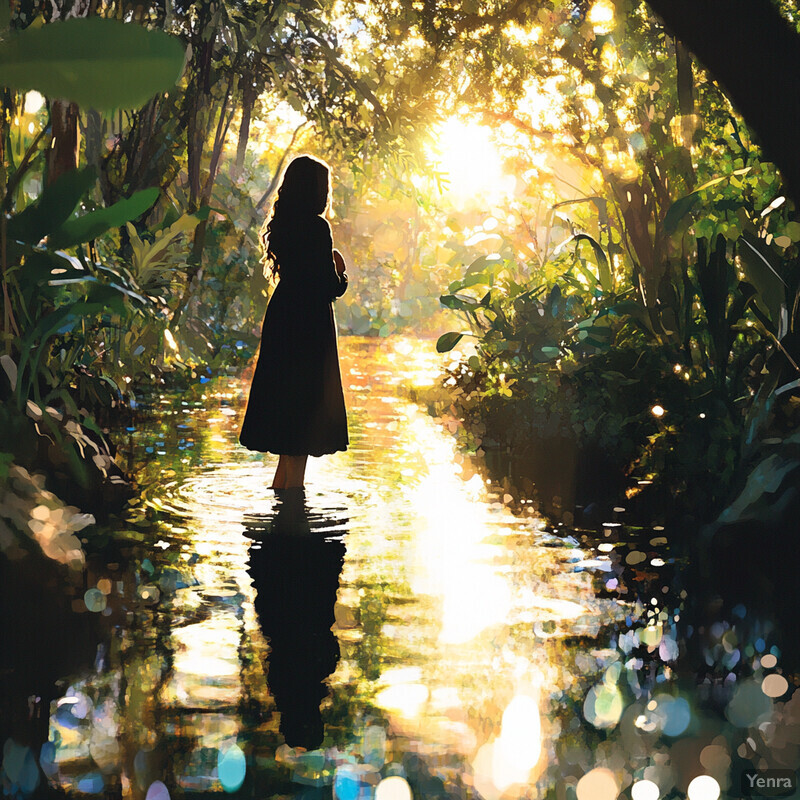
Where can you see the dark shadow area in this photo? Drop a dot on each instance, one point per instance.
(42, 640)
(295, 566)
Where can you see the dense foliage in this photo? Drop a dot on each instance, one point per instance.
(624, 222)
(661, 332)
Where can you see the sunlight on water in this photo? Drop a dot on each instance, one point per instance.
(399, 586)
(452, 523)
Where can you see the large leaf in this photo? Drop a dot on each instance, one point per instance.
(483, 264)
(683, 205)
(634, 311)
(603, 268)
(92, 225)
(95, 62)
(53, 208)
(61, 320)
(715, 276)
(761, 267)
(447, 341)
(151, 258)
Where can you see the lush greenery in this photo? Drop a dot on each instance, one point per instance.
(661, 332)
(633, 251)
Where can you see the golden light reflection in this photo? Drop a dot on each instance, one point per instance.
(453, 524)
(510, 759)
(206, 666)
(459, 669)
(406, 699)
(522, 36)
(519, 747)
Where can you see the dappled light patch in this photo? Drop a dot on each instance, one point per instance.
(27, 509)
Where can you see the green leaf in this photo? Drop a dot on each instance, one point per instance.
(490, 265)
(761, 271)
(6, 460)
(95, 62)
(792, 230)
(678, 210)
(683, 205)
(53, 208)
(603, 269)
(151, 258)
(634, 311)
(458, 302)
(447, 341)
(61, 320)
(92, 225)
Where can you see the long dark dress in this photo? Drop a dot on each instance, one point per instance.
(296, 404)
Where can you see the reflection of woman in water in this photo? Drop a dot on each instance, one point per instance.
(296, 405)
(295, 574)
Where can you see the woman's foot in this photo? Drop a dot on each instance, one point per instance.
(290, 473)
(295, 472)
(279, 481)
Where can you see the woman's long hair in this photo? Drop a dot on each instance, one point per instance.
(304, 192)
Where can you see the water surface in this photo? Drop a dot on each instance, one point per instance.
(396, 629)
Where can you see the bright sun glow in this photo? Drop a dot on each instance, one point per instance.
(601, 17)
(467, 157)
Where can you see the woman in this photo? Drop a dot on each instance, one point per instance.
(296, 405)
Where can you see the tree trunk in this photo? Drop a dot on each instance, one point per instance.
(93, 138)
(683, 62)
(62, 155)
(249, 95)
(754, 53)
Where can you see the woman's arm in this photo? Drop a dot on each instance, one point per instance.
(333, 276)
(338, 261)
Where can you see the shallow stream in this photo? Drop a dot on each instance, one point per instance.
(396, 630)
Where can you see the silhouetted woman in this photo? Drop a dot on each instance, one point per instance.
(296, 405)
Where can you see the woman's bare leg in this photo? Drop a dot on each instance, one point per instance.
(279, 481)
(295, 471)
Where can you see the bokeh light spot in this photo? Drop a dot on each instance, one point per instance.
(703, 787)
(95, 600)
(393, 788)
(598, 784)
(91, 783)
(748, 704)
(346, 784)
(33, 102)
(157, 791)
(674, 714)
(645, 790)
(774, 686)
(231, 768)
(601, 17)
(603, 706)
